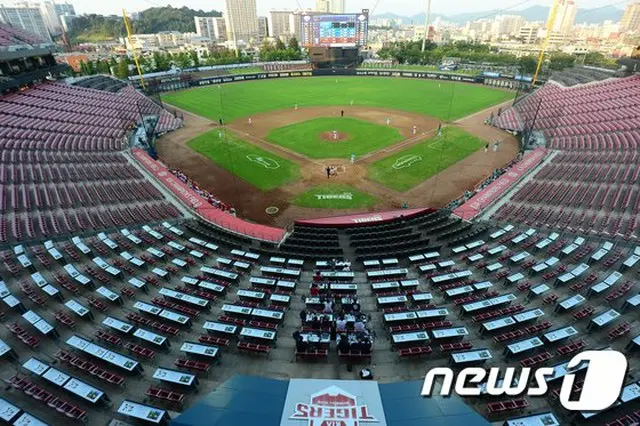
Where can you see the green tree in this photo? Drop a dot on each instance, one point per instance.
(280, 45)
(161, 61)
(83, 68)
(560, 61)
(182, 60)
(193, 55)
(102, 66)
(91, 70)
(597, 59)
(528, 64)
(94, 27)
(168, 18)
(293, 44)
(266, 51)
(122, 69)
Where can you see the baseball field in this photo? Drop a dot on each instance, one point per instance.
(442, 100)
(390, 141)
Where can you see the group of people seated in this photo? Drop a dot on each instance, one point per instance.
(322, 292)
(337, 318)
(334, 265)
(349, 331)
(360, 341)
(202, 192)
(309, 342)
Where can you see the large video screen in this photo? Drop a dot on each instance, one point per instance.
(349, 30)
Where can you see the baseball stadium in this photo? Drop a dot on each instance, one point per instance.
(301, 243)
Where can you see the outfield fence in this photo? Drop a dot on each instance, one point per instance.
(173, 85)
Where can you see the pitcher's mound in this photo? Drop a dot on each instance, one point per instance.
(329, 136)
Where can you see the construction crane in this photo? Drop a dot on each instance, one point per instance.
(426, 26)
(127, 25)
(550, 24)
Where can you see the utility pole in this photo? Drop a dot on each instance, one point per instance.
(426, 26)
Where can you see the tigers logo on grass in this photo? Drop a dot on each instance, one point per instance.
(406, 161)
(266, 162)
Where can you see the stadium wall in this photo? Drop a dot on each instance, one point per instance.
(202, 208)
(364, 219)
(489, 195)
(171, 86)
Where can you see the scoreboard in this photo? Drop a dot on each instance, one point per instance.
(335, 30)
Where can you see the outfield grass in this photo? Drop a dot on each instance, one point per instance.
(443, 100)
(362, 137)
(406, 169)
(260, 168)
(358, 199)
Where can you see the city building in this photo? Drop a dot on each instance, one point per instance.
(507, 25)
(195, 43)
(170, 39)
(144, 42)
(280, 24)
(631, 18)
(51, 18)
(211, 27)
(263, 28)
(529, 33)
(64, 9)
(338, 6)
(27, 17)
(479, 30)
(241, 20)
(419, 31)
(66, 21)
(556, 38)
(519, 50)
(565, 17)
(323, 6)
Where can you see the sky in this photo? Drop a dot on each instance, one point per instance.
(400, 7)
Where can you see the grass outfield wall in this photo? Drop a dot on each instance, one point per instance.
(443, 100)
(260, 168)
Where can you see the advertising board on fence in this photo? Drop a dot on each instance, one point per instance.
(347, 72)
(175, 185)
(204, 208)
(475, 205)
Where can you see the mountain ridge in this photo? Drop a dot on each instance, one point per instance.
(533, 13)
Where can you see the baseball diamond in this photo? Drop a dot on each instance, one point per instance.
(388, 126)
